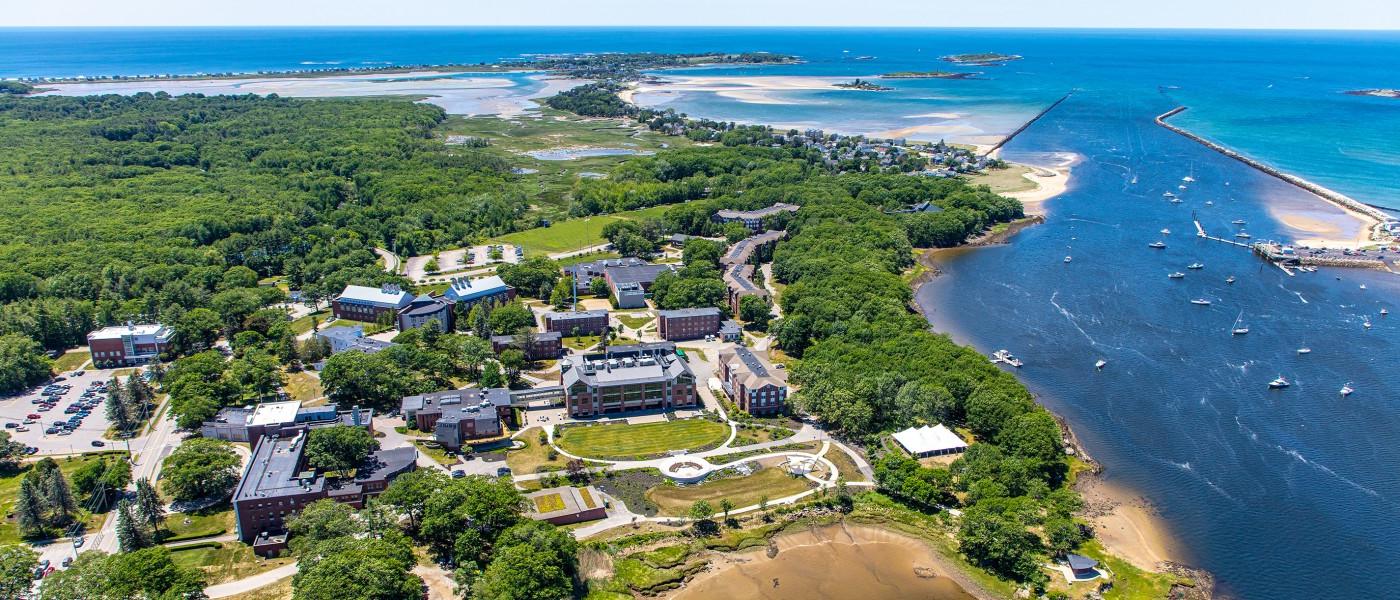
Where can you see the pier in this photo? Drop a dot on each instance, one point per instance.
(1027, 124)
(1288, 256)
(1201, 233)
(1321, 192)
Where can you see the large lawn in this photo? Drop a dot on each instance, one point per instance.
(304, 386)
(70, 361)
(772, 482)
(9, 493)
(216, 520)
(623, 441)
(224, 561)
(574, 234)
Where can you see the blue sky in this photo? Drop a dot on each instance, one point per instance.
(1276, 14)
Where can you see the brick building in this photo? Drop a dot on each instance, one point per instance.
(546, 345)
(627, 378)
(750, 383)
(586, 322)
(130, 344)
(361, 303)
(455, 416)
(280, 419)
(688, 323)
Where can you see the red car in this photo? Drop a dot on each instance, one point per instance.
(34, 416)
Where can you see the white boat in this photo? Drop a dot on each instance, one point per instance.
(1166, 231)
(1239, 328)
(1210, 203)
(1181, 187)
(1176, 275)
(1176, 200)
(1005, 356)
(1384, 312)
(1305, 350)
(1188, 179)
(1195, 266)
(1363, 286)
(1200, 302)
(1068, 258)
(1168, 194)
(1279, 383)
(1366, 323)
(1158, 245)
(1230, 279)
(1242, 235)
(1346, 389)
(1100, 364)
(1237, 222)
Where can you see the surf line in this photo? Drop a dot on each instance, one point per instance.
(1342, 200)
(1027, 124)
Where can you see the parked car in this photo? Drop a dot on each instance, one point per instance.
(98, 443)
(11, 425)
(78, 373)
(34, 415)
(21, 429)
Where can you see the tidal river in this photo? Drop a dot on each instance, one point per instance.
(1290, 493)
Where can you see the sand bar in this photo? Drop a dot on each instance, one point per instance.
(1127, 526)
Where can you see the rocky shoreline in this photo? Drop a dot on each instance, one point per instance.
(1376, 93)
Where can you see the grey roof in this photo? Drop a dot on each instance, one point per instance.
(628, 365)
(756, 214)
(466, 396)
(1079, 563)
(385, 464)
(743, 250)
(741, 276)
(343, 333)
(426, 305)
(583, 271)
(751, 361)
(729, 327)
(688, 312)
(386, 295)
(542, 336)
(639, 274)
(274, 469)
(578, 314)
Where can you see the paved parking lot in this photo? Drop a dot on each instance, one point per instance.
(14, 409)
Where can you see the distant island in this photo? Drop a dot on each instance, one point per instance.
(620, 66)
(929, 75)
(983, 59)
(1378, 93)
(861, 84)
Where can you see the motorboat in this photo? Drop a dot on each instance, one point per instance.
(1100, 364)
(1279, 383)
(1366, 323)
(1210, 203)
(1237, 222)
(1068, 258)
(1195, 266)
(1346, 389)
(1166, 231)
(1305, 350)
(1230, 279)
(1200, 302)
(1242, 235)
(1005, 356)
(1158, 245)
(1168, 194)
(1384, 312)
(1176, 200)
(1176, 275)
(1363, 286)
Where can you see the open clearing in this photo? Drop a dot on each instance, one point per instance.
(624, 441)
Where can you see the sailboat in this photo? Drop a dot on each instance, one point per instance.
(1366, 323)
(1239, 328)
(1210, 203)
(1242, 235)
(1346, 389)
(1279, 383)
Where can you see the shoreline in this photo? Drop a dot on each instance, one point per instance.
(1371, 218)
(1125, 523)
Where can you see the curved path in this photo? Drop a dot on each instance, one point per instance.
(248, 584)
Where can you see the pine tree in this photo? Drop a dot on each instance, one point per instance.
(116, 408)
(29, 509)
(138, 395)
(130, 537)
(480, 320)
(58, 496)
(148, 504)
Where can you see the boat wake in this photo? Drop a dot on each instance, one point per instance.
(1323, 468)
(1070, 317)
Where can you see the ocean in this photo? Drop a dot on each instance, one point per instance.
(1281, 494)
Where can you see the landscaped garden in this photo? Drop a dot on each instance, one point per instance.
(742, 490)
(622, 441)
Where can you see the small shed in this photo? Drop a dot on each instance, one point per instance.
(1082, 566)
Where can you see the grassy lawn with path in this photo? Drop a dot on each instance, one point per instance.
(304, 386)
(435, 452)
(534, 457)
(582, 342)
(772, 482)
(303, 324)
(626, 441)
(225, 561)
(634, 322)
(205, 522)
(574, 234)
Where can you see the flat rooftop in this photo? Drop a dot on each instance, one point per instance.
(274, 470)
(116, 332)
(269, 413)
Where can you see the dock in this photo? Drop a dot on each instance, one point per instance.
(1201, 233)
(1288, 256)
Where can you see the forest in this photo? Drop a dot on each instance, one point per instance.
(145, 207)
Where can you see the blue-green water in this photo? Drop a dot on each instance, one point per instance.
(1288, 494)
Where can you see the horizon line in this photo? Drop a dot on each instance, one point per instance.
(655, 26)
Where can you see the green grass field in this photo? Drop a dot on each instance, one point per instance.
(623, 441)
(573, 234)
(634, 322)
(1005, 181)
(9, 493)
(224, 561)
(70, 361)
(216, 520)
(304, 386)
(772, 482)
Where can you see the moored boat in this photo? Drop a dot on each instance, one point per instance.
(1279, 383)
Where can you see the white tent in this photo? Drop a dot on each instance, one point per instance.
(930, 441)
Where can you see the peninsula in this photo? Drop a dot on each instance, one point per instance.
(929, 75)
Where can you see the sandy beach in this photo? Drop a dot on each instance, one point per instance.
(1126, 525)
(753, 90)
(835, 561)
(454, 92)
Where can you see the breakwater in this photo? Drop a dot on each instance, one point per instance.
(1025, 125)
(1303, 184)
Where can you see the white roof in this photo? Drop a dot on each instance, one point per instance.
(929, 439)
(269, 413)
(116, 332)
(374, 295)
